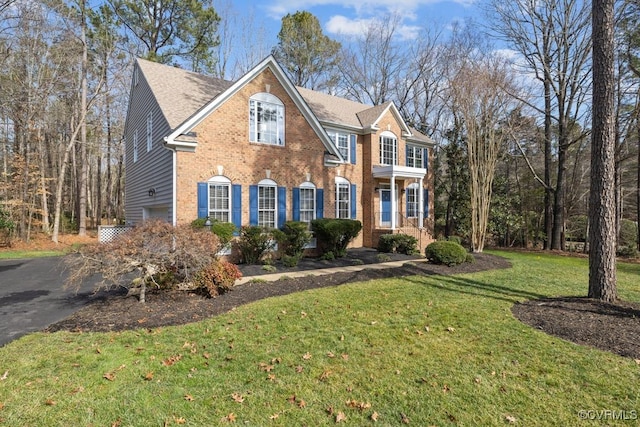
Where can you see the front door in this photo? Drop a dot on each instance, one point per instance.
(385, 207)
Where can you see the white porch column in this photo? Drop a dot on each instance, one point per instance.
(394, 207)
(421, 205)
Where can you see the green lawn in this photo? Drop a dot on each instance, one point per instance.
(29, 254)
(424, 350)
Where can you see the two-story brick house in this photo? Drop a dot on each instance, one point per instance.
(260, 151)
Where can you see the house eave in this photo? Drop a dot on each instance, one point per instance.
(395, 171)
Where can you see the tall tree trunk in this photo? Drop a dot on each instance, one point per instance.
(548, 192)
(602, 233)
(557, 234)
(84, 165)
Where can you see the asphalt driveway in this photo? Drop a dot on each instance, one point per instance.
(32, 298)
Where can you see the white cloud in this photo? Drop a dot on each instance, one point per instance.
(342, 25)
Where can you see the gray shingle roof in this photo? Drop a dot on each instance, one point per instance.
(181, 93)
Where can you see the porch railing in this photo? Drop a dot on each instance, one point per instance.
(404, 224)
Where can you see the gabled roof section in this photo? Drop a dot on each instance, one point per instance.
(173, 140)
(370, 117)
(179, 93)
(333, 110)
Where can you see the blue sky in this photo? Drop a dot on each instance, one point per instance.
(349, 16)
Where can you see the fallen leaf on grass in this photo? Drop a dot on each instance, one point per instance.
(307, 356)
(405, 419)
(451, 329)
(172, 360)
(116, 423)
(324, 375)
(302, 404)
(231, 418)
(188, 398)
(4, 376)
(374, 416)
(265, 367)
(510, 418)
(358, 405)
(274, 416)
(330, 355)
(271, 377)
(340, 416)
(49, 402)
(149, 376)
(181, 420)
(237, 397)
(109, 376)
(299, 369)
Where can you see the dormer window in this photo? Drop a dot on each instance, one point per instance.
(266, 119)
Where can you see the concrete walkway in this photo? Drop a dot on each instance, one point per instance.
(272, 277)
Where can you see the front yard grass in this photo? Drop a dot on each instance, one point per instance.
(420, 350)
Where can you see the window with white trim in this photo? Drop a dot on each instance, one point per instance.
(149, 131)
(266, 119)
(307, 202)
(414, 156)
(388, 149)
(341, 140)
(135, 145)
(343, 199)
(412, 194)
(220, 198)
(267, 203)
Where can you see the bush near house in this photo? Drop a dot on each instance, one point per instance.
(334, 235)
(159, 254)
(254, 242)
(446, 252)
(292, 240)
(216, 278)
(224, 230)
(399, 243)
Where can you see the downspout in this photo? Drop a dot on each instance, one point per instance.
(174, 179)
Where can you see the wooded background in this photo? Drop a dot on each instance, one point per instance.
(507, 102)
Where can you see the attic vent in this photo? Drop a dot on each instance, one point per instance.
(267, 88)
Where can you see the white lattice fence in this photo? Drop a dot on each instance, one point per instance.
(107, 233)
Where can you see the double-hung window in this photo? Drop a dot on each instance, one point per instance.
(307, 202)
(343, 199)
(414, 156)
(342, 142)
(388, 149)
(219, 199)
(267, 205)
(266, 119)
(413, 208)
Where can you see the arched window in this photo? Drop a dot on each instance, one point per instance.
(219, 198)
(266, 119)
(388, 149)
(307, 202)
(343, 198)
(267, 203)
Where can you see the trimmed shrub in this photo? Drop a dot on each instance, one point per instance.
(254, 241)
(224, 230)
(456, 239)
(627, 252)
(446, 252)
(292, 239)
(334, 235)
(217, 278)
(290, 260)
(400, 243)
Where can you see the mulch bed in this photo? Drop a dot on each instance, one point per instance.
(609, 327)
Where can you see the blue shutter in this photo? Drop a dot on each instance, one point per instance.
(295, 196)
(425, 158)
(253, 205)
(282, 206)
(319, 203)
(203, 203)
(426, 202)
(353, 149)
(236, 206)
(352, 197)
(406, 155)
